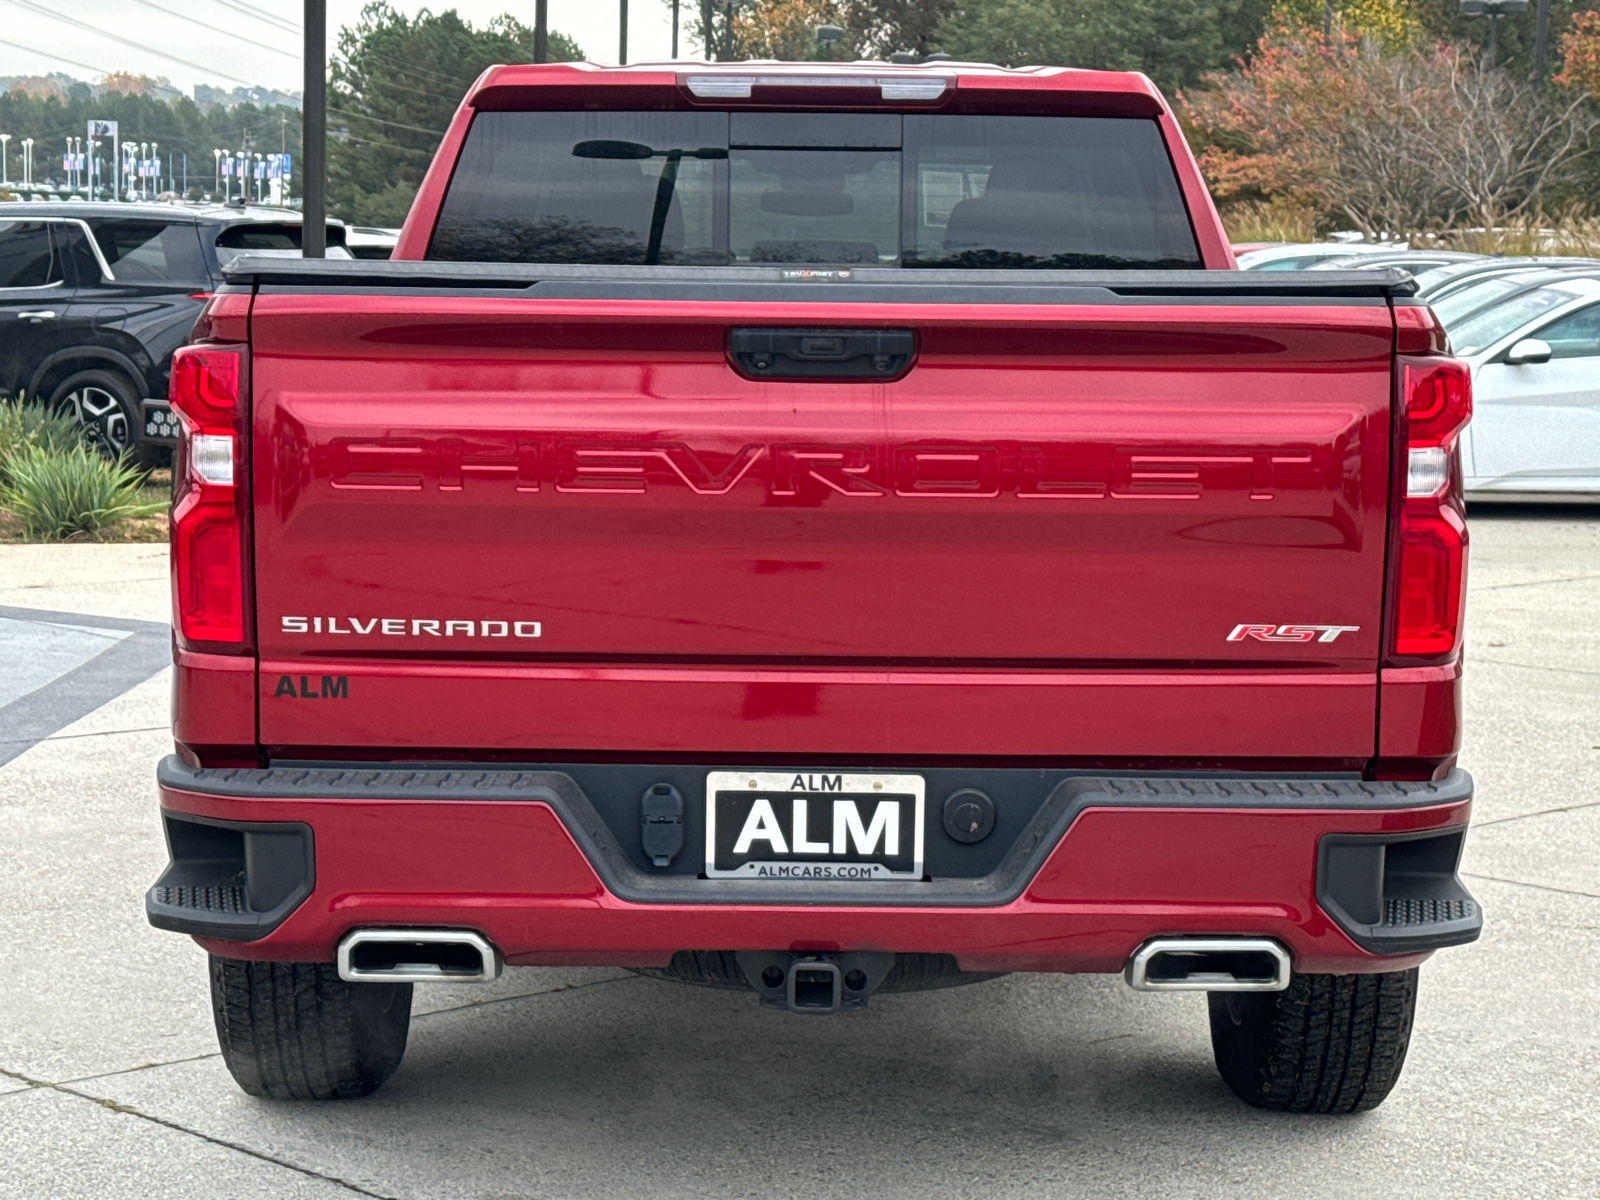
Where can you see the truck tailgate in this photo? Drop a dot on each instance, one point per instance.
(530, 527)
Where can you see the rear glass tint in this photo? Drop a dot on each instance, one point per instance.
(601, 187)
(269, 237)
(151, 251)
(848, 189)
(27, 258)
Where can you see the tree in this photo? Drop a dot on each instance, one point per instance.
(178, 125)
(1172, 41)
(1580, 54)
(1397, 141)
(786, 29)
(396, 83)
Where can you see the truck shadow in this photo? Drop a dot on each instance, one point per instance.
(704, 1092)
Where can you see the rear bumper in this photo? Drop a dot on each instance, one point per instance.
(525, 858)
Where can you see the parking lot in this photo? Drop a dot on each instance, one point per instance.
(599, 1082)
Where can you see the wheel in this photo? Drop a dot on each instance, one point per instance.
(296, 1031)
(105, 404)
(1326, 1044)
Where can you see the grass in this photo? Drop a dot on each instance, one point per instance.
(1269, 221)
(71, 494)
(1574, 232)
(55, 488)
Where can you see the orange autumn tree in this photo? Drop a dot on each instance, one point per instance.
(1395, 141)
(1580, 52)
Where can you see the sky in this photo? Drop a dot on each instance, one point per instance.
(146, 37)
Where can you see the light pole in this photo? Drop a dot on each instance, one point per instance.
(216, 156)
(69, 163)
(5, 153)
(622, 33)
(674, 29)
(94, 169)
(541, 30)
(155, 169)
(1541, 43)
(27, 161)
(1494, 10)
(314, 133)
(144, 170)
(256, 177)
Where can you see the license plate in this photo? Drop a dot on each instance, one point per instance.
(813, 825)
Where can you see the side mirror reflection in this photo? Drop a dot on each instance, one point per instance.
(1527, 352)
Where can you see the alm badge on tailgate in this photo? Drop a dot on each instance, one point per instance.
(813, 825)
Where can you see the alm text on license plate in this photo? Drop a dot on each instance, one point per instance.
(813, 825)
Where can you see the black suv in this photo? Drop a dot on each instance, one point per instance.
(95, 297)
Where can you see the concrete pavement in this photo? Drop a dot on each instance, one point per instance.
(600, 1083)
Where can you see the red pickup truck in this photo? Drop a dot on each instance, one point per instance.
(818, 530)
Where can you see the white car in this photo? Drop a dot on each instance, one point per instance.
(1535, 359)
(1299, 257)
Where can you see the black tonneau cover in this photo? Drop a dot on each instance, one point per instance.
(559, 281)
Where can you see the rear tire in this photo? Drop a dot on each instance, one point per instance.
(296, 1031)
(105, 404)
(1326, 1044)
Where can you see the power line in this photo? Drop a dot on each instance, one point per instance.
(419, 73)
(380, 121)
(260, 14)
(43, 11)
(217, 29)
(57, 58)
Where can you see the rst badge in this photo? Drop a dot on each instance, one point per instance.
(1291, 633)
(813, 825)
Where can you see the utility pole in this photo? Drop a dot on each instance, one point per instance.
(1494, 10)
(729, 54)
(674, 29)
(541, 31)
(705, 24)
(622, 34)
(314, 134)
(1541, 43)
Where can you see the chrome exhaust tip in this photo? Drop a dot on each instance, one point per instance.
(417, 956)
(1220, 964)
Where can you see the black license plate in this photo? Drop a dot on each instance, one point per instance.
(813, 825)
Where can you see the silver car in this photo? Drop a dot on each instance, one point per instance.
(1535, 359)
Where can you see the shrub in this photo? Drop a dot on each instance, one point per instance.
(65, 493)
(1275, 220)
(23, 425)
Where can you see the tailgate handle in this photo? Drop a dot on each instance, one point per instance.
(821, 353)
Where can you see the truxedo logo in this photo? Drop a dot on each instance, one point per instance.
(411, 627)
(1290, 633)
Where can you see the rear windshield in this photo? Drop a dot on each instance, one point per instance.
(271, 238)
(867, 189)
(151, 251)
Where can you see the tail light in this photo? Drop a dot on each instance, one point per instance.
(1432, 543)
(209, 505)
